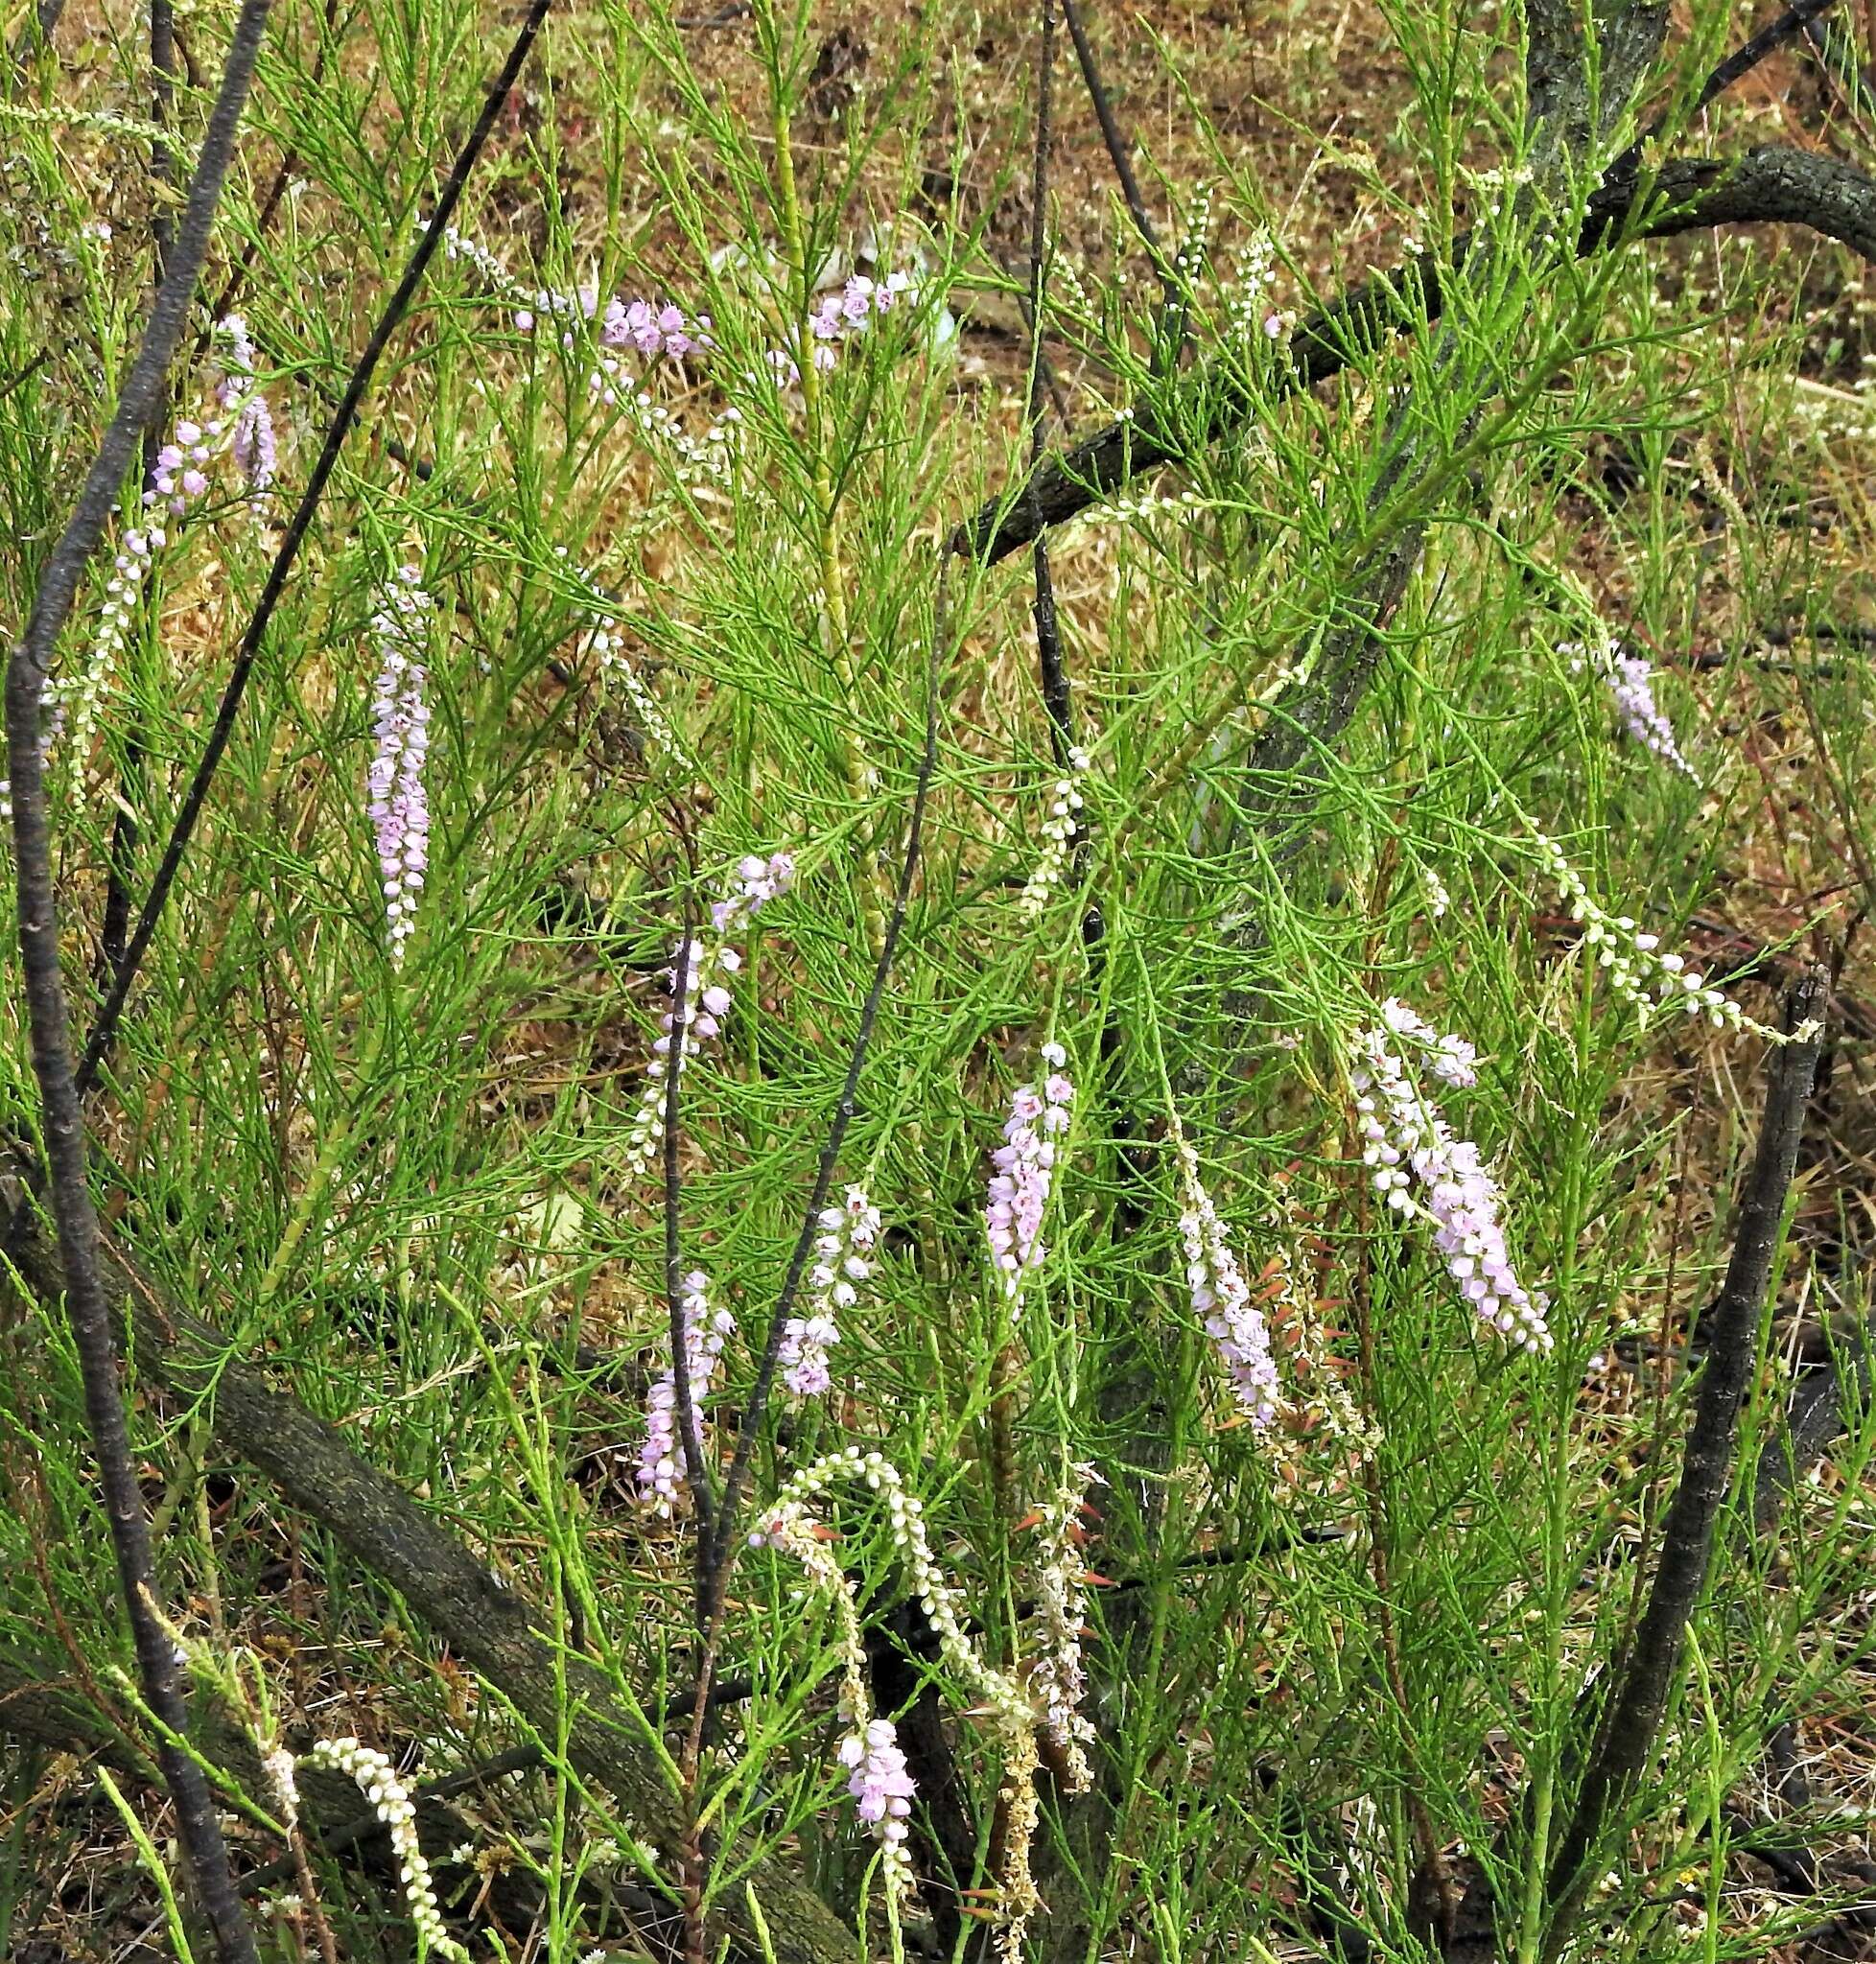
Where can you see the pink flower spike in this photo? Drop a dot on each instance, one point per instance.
(842, 1258)
(881, 1788)
(1222, 1299)
(1018, 1189)
(701, 997)
(660, 1459)
(1406, 1132)
(399, 804)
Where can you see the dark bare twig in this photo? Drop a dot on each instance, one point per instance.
(1170, 331)
(1054, 675)
(1769, 185)
(104, 1029)
(122, 858)
(1742, 62)
(62, 1114)
(749, 1426)
(1116, 142)
(24, 373)
(1652, 1669)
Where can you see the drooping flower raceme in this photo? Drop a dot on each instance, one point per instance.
(701, 996)
(399, 803)
(75, 700)
(1406, 1132)
(1634, 963)
(662, 1468)
(1057, 1674)
(377, 1780)
(181, 477)
(608, 647)
(878, 1779)
(1059, 831)
(842, 1260)
(1628, 676)
(1025, 1172)
(1222, 1298)
(881, 1788)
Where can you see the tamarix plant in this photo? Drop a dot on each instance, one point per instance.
(793, 1211)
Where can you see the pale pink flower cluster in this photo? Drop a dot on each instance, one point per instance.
(706, 1330)
(666, 330)
(1452, 1060)
(1405, 1131)
(881, 1788)
(1026, 1171)
(1628, 676)
(180, 479)
(843, 1249)
(399, 804)
(650, 328)
(252, 444)
(840, 317)
(1221, 1299)
(700, 997)
(871, 1756)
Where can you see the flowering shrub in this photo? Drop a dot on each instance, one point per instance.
(1190, 1535)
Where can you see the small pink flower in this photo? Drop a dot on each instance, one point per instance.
(399, 804)
(1222, 1299)
(881, 1788)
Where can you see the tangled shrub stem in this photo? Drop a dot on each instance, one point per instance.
(1627, 1735)
(60, 1089)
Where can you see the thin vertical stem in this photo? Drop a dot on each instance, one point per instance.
(1653, 1669)
(1057, 696)
(124, 829)
(750, 1424)
(695, 1471)
(87, 1302)
(1169, 330)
